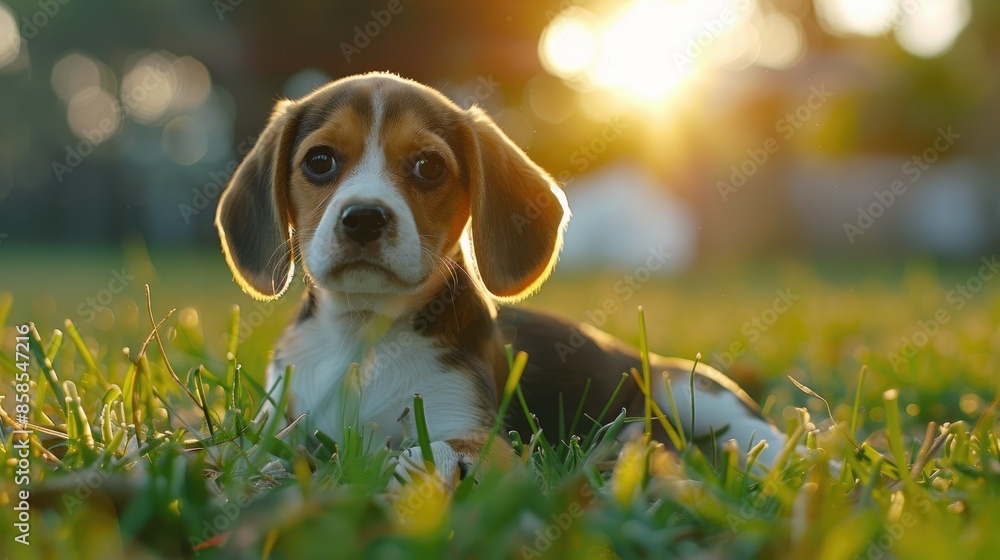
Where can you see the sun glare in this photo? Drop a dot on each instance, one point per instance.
(647, 50)
(643, 50)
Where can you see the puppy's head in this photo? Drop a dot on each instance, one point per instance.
(373, 181)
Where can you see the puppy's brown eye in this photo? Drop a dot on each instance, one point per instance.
(320, 163)
(429, 170)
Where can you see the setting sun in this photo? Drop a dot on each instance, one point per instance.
(646, 50)
(643, 50)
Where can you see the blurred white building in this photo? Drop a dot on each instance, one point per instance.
(946, 211)
(620, 214)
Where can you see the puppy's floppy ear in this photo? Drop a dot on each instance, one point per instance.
(253, 219)
(518, 214)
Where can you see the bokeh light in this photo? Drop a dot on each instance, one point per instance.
(516, 125)
(149, 86)
(10, 37)
(93, 114)
(157, 89)
(932, 29)
(194, 83)
(782, 42)
(740, 49)
(925, 28)
(546, 97)
(74, 74)
(860, 17)
(185, 140)
(569, 44)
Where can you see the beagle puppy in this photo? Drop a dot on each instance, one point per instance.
(411, 219)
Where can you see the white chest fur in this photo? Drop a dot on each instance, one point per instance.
(393, 366)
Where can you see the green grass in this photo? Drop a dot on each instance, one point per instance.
(150, 452)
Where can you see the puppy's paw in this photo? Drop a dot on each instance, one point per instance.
(450, 467)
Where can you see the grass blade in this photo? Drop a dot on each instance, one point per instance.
(232, 342)
(579, 408)
(856, 411)
(84, 352)
(517, 365)
(681, 442)
(128, 390)
(894, 433)
(237, 394)
(694, 368)
(423, 437)
(644, 353)
(676, 435)
(203, 399)
(607, 406)
(47, 370)
(55, 343)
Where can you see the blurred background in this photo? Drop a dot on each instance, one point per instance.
(726, 127)
(842, 154)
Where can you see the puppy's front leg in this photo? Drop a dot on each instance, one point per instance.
(454, 458)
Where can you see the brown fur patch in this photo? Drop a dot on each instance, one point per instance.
(501, 455)
(344, 131)
(440, 212)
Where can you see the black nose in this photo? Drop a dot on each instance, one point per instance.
(364, 223)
